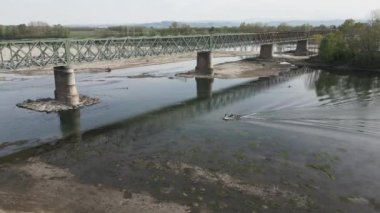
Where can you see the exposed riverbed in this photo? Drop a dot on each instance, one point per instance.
(308, 141)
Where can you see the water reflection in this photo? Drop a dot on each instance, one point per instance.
(180, 153)
(343, 87)
(130, 154)
(204, 87)
(341, 102)
(70, 123)
(166, 117)
(330, 88)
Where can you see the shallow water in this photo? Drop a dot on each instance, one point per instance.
(309, 132)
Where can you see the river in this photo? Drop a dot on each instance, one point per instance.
(307, 141)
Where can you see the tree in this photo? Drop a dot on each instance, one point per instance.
(318, 38)
(38, 24)
(283, 27)
(347, 26)
(22, 29)
(333, 48)
(304, 27)
(1, 32)
(211, 30)
(174, 25)
(354, 43)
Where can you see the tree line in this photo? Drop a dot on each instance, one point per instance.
(354, 43)
(185, 29)
(39, 30)
(23, 31)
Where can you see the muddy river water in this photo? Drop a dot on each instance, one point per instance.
(307, 141)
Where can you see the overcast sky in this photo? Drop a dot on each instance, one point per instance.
(141, 11)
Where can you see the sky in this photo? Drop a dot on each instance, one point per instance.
(72, 12)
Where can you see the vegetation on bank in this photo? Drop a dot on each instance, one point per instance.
(42, 30)
(184, 29)
(33, 31)
(354, 44)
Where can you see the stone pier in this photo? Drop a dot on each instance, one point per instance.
(266, 51)
(204, 63)
(65, 87)
(204, 87)
(302, 47)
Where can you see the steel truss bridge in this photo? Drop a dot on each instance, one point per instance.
(62, 52)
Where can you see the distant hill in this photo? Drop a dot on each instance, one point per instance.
(310, 22)
(166, 24)
(206, 24)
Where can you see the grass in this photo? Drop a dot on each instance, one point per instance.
(325, 168)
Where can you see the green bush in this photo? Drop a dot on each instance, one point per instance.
(353, 44)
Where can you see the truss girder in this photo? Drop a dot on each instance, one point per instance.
(41, 53)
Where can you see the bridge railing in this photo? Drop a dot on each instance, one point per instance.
(42, 53)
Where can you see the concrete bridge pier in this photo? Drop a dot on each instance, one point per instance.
(266, 51)
(204, 87)
(302, 47)
(204, 63)
(65, 86)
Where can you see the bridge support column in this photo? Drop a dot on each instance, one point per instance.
(204, 63)
(65, 86)
(301, 48)
(266, 51)
(204, 87)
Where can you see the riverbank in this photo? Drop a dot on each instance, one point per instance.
(246, 68)
(316, 63)
(250, 66)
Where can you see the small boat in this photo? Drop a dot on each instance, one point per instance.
(228, 117)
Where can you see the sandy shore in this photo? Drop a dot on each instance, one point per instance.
(247, 68)
(54, 189)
